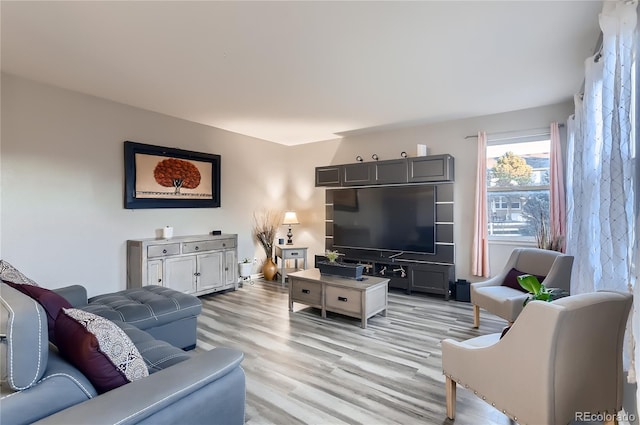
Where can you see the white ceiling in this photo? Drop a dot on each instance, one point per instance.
(298, 72)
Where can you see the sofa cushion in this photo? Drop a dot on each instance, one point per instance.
(146, 307)
(157, 354)
(25, 352)
(511, 279)
(8, 273)
(49, 300)
(99, 349)
(61, 386)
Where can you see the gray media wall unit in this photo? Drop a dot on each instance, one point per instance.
(420, 169)
(427, 273)
(195, 265)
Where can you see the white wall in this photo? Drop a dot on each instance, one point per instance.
(446, 137)
(62, 177)
(61, 172)
(304, 197)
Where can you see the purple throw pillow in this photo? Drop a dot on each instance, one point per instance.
(511, 279)
(49, 300)
(99, 349)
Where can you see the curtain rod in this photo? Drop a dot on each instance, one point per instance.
(515, 137)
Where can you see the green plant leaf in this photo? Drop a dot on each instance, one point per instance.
(529, 283)
(545, 296)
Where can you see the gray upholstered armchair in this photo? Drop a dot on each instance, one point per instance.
(506, 302)
(557, 359)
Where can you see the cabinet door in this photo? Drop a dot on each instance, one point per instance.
(432, 278)
(393, 171)
(180, 274)
(230, 267)
(328, 176)
(210, 270)
(154, 272)
(431, 168)
(357, 174)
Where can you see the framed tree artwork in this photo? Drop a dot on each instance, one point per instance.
(161, 177)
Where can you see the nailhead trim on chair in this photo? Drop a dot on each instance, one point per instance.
(504, 411)
(484, 398)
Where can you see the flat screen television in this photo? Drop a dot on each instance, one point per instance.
(391, 218)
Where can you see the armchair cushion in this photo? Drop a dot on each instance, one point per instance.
(49, 300)
(511, 279)
(99, 348)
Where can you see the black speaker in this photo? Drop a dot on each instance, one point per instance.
(463, 290)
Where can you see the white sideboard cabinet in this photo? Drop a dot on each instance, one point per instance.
(195, 265)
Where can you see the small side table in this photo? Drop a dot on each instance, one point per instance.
(290, 252)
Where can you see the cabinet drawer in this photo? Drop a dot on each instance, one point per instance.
(199, 246)
(343, 299)
(163, 250)
(306, 292)
(298, 253)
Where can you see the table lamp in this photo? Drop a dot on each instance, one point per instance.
(290, 218)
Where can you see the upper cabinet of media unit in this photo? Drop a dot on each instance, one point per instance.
(433, 168)
(328, 176)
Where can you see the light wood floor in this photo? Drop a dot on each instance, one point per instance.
(302, 369)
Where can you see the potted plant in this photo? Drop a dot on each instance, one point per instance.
(332, 256)
(264, 228)
(544, 238)
(537, 291)
(245, 268)
(334, 268)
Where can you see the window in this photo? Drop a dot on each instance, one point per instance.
(518, 186)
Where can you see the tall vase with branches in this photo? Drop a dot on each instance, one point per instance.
(265, 225)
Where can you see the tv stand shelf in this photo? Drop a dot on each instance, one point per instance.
(407, 275)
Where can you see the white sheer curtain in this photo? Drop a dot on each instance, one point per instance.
(480, 254)
(601, 173)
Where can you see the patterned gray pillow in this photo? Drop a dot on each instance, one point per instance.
(8, 273)
(99, 348)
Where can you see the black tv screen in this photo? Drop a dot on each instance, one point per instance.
(394, 218)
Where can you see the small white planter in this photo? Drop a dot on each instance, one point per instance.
(245, 269)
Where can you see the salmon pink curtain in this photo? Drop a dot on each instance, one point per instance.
(558, 209)
(480, 254)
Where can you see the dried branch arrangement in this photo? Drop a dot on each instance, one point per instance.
(265, 225)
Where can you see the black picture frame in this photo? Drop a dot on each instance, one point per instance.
(136, 198)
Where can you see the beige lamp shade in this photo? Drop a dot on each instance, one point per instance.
(289, 219)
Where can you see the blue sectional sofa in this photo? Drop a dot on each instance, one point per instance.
(40, 386)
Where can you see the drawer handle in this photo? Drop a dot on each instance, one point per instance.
(343, 299)
(306, 291)
(159, 280)
(164, 251)
(295, 253)
(197, 248)
(224, 244)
